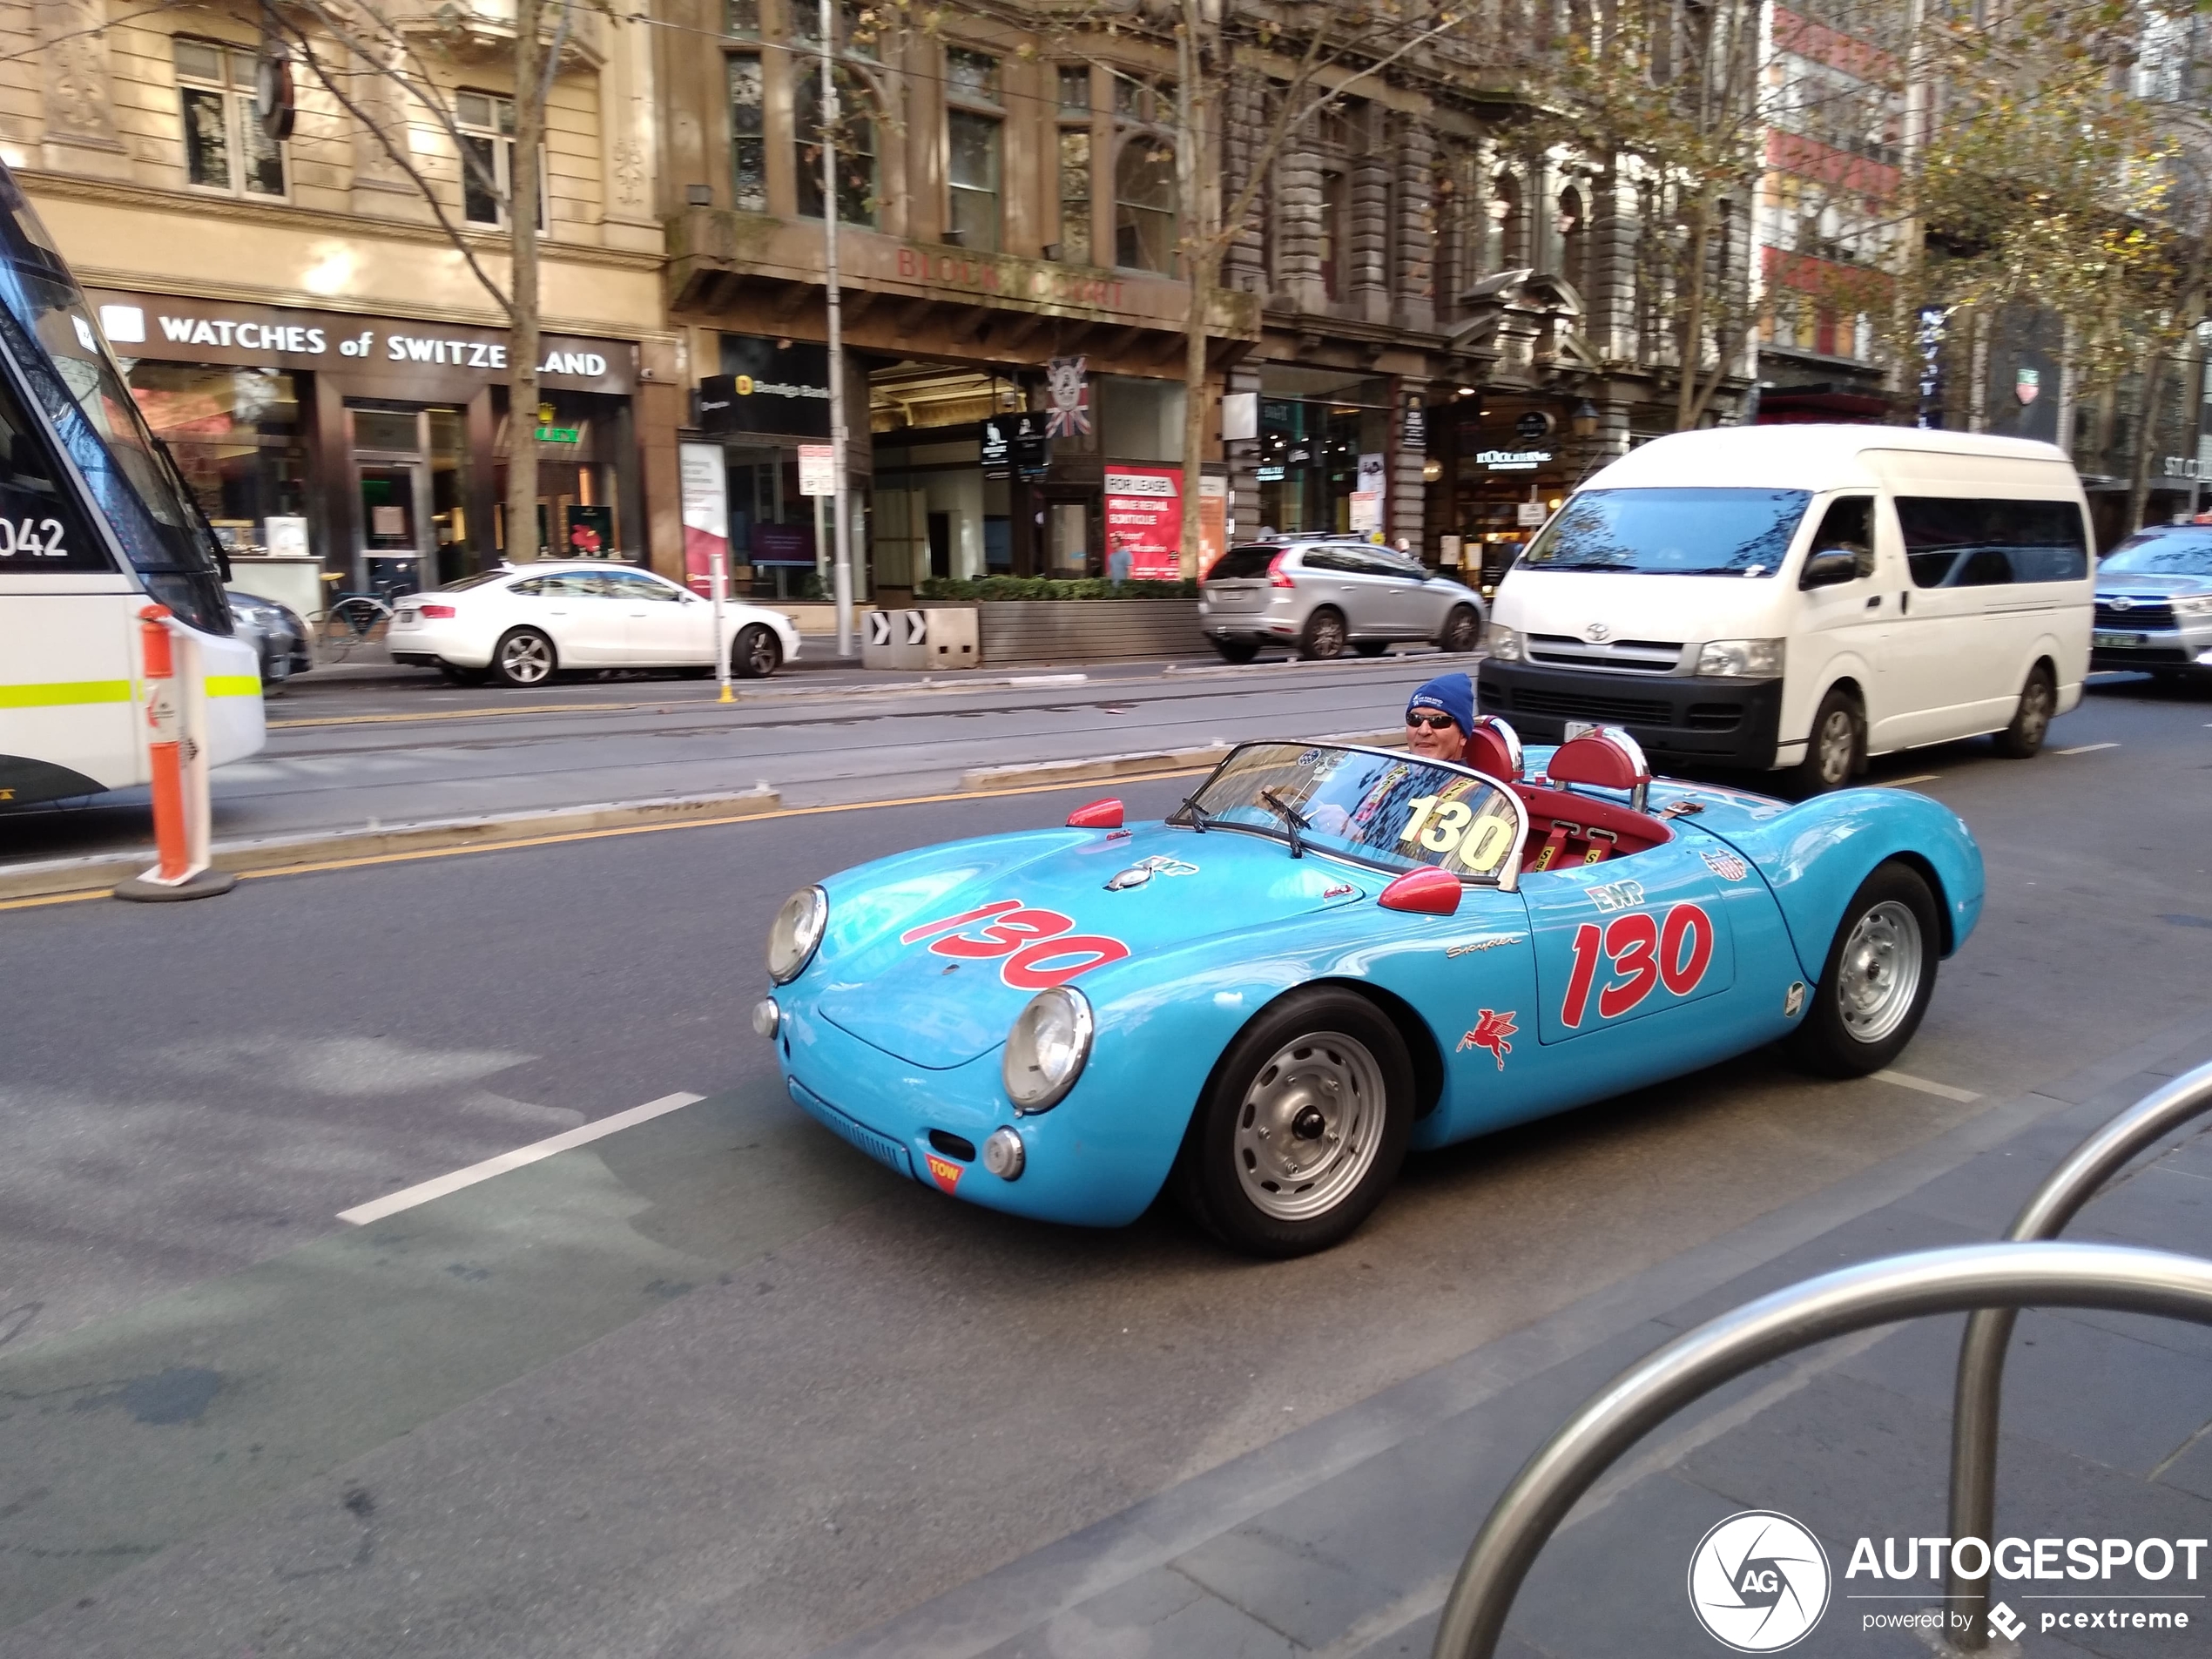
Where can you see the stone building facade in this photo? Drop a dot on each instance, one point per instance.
(309, 342)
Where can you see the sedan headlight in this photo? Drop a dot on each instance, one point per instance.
(1046, 1049)
(1741, 658)
(796, 931)
(1505, 644)
(2194, 605)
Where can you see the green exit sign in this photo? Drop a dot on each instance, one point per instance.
(560, 433)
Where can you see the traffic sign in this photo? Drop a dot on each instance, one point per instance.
(817, 469)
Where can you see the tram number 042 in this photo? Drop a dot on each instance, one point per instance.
(1643, 952)
(38, 538)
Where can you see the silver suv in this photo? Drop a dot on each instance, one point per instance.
(2154, 604)
(1322, 594)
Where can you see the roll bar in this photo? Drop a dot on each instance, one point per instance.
(1955, 1280)
(1981, 1351)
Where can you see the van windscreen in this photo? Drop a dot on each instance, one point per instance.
(1671, 532)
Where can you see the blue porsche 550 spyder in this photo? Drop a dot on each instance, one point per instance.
(1330, 955)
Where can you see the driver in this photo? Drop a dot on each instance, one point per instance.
(1438, 717)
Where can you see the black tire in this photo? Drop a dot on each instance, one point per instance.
(523, 659)
(755, 654)
(1324, 637)
(1862, 970)
(2032, 720)
(1835, 748)
(1462, 629)
(1237, 650)
(1371, 647)
(1320, 1044)
(457, 675)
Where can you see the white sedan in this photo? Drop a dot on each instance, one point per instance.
(523, 625)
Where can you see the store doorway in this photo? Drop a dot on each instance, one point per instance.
(410, 482)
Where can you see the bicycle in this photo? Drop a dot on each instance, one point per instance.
(353, 619)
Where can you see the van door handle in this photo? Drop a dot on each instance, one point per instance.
(1875, 603)
(1905, 603)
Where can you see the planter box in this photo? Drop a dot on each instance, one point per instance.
(1087, 630)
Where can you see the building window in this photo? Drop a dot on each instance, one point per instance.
(748, 137)
(1074, 195)
(225, 147)
(1075, 88)
(741, 18)
(486, 123)
(972, 76)
(1335, 204)
(1144, 205)
(856, 189)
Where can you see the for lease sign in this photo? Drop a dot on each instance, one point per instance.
(1144, 524)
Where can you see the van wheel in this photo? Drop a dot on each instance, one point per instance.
(1836, 748)
(2032, 720)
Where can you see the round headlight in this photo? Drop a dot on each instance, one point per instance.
(796, 930)
(1046, 1049)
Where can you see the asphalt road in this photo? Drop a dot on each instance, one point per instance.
(715, 1384)
(386, 751)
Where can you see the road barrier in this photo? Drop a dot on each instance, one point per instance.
(176, 718)
(1960, 1279)
(1975, 1397)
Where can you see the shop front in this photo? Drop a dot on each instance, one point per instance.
(1499, 465)
(1315, 427)
(374, 449)
(771, 398)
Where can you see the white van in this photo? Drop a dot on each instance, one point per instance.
(1803, 596)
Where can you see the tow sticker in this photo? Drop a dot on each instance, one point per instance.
(1038, 949)
(945, 1172)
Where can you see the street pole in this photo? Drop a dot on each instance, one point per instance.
(844, 573)
(719, 565)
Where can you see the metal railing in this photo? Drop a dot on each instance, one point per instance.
(1960, 1279)
(1981, 1351)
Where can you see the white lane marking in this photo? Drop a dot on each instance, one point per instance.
(2085, 748)
(1906, 1080)
(1918, 777)
(376, 1208)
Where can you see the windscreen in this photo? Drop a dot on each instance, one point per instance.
(2179, 552)
(1390, 810)
(47, 329)
(1671, 532)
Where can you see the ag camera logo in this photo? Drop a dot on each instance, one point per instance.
(1758, 1582)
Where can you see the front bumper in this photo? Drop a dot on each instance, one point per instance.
(1085, 1163)
(1725, 722)
(2187, 645)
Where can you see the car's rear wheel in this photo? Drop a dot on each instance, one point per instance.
(1462, 629)
(754, 654)
(1879, 978)
(1325, 636)
(1237, 650)
(524, 657)
(2032, 719)
(1302, 1128)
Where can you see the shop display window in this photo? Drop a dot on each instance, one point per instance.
(235, 433)
(579, 442)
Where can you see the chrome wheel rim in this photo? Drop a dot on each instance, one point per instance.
(528, 659)
(1837, 741)
(1310, 1126)
(760, 655)
(2035, 711)
(1880, 974)
(1328, 636)
(1462, 635)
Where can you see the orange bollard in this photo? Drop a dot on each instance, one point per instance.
(182, 871)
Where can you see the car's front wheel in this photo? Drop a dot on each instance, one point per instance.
(1879, 975)
(524, 657)
(1302, 1128)
(2031, 718)
(754, 653)
(1462, 629)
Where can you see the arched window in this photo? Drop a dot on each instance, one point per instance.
(856, 177)
(1144, 205)
(1511, 217)
(1575, 240)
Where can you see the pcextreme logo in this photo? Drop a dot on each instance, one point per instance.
(1758, 1582)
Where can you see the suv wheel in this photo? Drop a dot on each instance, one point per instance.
(1324, 637)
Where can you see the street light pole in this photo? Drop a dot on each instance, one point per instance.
(836, 332)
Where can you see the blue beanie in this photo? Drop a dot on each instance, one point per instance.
(1452, 694)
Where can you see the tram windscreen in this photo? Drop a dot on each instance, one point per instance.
(47, 329)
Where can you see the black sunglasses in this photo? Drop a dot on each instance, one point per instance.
(1433, 722)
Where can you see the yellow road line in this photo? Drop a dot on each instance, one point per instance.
(478, 714)
(636, 829)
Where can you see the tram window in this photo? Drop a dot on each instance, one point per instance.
(42, 531)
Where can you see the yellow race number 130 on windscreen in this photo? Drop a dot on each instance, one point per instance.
(1471, 837)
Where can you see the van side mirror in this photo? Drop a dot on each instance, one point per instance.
(1829, 567)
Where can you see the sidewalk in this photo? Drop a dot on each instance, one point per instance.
(1341, 1539)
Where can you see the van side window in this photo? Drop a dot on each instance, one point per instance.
(1952, 544)
(1848, 526)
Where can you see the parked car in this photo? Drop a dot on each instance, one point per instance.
(2155, 605)
(280, 637)
(1329, 956)
(1321, 595)
(1803, 598)
(522, 624)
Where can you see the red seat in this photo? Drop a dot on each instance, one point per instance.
(1493, 749)
(1568, 828)
(1606, 758)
